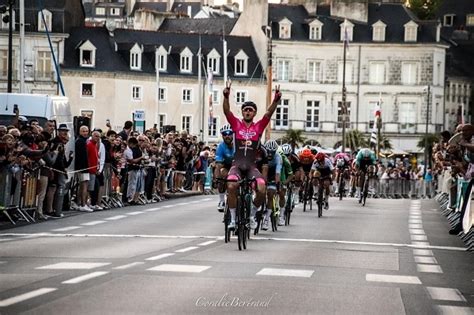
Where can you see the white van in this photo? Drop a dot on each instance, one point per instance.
(36, 106)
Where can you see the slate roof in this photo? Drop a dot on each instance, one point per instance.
(200, 26)
(182, 7)
(460, 8)
(65, 14)
(393, 15)
(152, 6)
(109, 60)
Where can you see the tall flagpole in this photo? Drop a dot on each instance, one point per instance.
(157, 69)
(343, 105)
(200, 88)
(378, 118)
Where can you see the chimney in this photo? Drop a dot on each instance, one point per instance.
(190, 11)
(438, 32)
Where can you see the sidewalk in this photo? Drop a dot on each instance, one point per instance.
(5, 224)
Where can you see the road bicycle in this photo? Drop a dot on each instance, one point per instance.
(290, 202)
(307, 194)
(244, 204)
(365, 188)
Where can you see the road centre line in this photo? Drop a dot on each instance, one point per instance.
(129, 265)
(117, 217)
(93, 223)
(134, 213)
(85, 277)
(422, 245)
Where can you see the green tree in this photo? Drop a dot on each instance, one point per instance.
(385, 143)
(354, 140)
(427, 142)
(294, 137)
(424, 9)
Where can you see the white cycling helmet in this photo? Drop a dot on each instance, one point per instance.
(225, 128)
(365, 152)
(271, 145)
(286, 149)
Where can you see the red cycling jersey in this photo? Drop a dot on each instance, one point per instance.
(246, 140)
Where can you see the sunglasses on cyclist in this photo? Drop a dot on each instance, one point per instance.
(227, 133)
(248, 109)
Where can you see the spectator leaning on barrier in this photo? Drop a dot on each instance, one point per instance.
(93, 161)
(81, 166)
(133, 156)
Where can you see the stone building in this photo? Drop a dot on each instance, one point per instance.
(392, 56)
(111, 75)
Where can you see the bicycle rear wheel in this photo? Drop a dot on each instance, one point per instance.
(305, 195)
(320, 201)
(366, 191)
(288, 207)
(226, 224)
(341, 186)
(240, 224)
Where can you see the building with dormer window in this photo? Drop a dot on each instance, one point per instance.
(315, 29)
(284, 31)
(392, 56)
(180, 99)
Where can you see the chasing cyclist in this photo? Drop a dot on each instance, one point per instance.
(247, 134)
(322, 172)
(224, 157)
(275, 165)
(364, 159)
(343, 163)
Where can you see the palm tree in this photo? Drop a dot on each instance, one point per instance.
(427, 142)
(355, 140)
(385, 143)
(294, 137)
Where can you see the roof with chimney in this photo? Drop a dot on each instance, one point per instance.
(394, 15)
(201, 26)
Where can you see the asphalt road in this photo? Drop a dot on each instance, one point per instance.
(390, 257)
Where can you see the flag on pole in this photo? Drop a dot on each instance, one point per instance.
(210, 79)
(377, 121)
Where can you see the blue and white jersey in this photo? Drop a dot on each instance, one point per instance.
(224, 154)
(275, 164)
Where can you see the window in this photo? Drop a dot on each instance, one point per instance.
(407, 117)
(377, 73)
(378, 31)
(409, 73)
(448, 20)
(216, 96)
(285, 29)
(47, 17)
(281, 115)
(340, 69)
(87, 54)
(185, 64)
(187, 96)
(43, 65)
(470, 20)
(4, 62)
(99, 11)
(241, 63)
(346, 27)
(314, 71)
(115, 11)
(136, 57)
(162, 94)
(161, 122)
(312, 115)
(411, 29)
(240, 97)
(315, 30)
(136, 93)
(339, 114)
(162, 62)
(212, 130)
(283, 70)
(87, 90)
(5, 25)
(213, 59)
(186, 123)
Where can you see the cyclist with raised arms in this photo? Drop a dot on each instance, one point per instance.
(224, 157)
(247, 134)
(322, 171)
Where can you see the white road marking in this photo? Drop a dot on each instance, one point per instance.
(187, 249)
(415, 213)
(445, 294)
(453, 310)
(25, 296)
(392, 278)
(135, 213)
(257, 238)
(180, 268)
(5, 239)
(85, 277)
(429, 268)
(417, 231)
(152, 209)
(414, 217)
(415, 226)
(414, 222)
(93, 223)
(285, 272)
(129, 265)
(68, 228)
(181, 204)
(425, 260)
(160, 256)
(419, 237)
(117, 217)
(422, 252)
(207, 243)
(168, 206)
(74, 265)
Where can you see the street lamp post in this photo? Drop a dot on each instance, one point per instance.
(426, 130)
(10, 45)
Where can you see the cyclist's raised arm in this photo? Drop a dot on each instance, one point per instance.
(276, 99)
